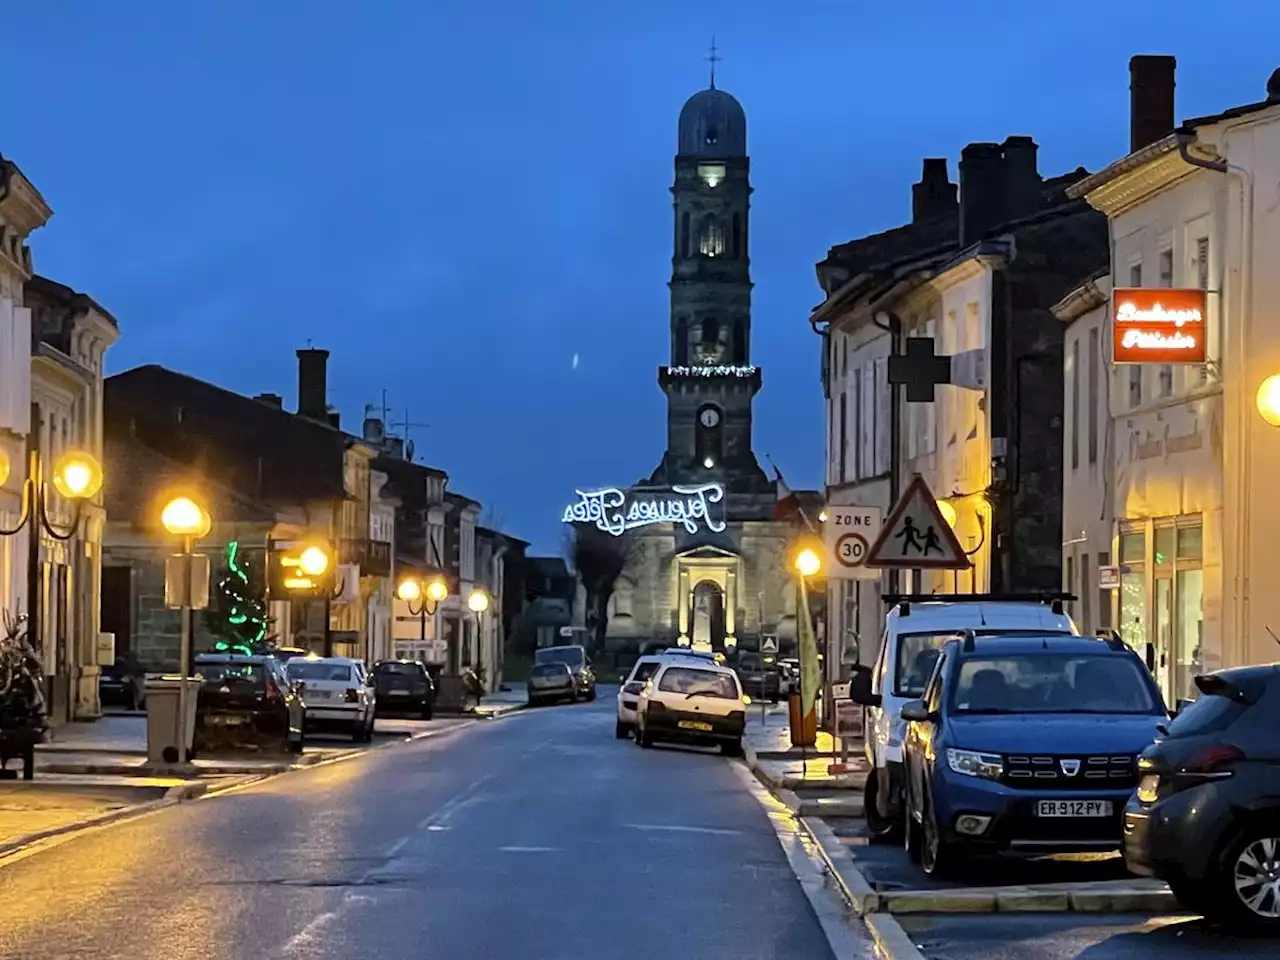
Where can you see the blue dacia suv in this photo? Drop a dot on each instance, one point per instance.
(1025, 743)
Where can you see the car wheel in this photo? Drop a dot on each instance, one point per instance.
(881, 829)
(937, 856)
(732, 749)
(1245, 892)
(911, 839)
(621, 731)
(427, 712)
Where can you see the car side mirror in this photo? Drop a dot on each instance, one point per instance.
(635, 686)
(860, 689)
(916, 710)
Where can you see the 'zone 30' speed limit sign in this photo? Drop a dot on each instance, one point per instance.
(849, 533)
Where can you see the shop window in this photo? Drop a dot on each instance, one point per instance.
(1188, 652)
(1164, 545)
(1190, 543)
(1133, 547)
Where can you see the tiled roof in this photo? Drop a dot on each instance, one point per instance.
(264, 451)
(137, 479)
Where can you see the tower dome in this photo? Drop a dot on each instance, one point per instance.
(712, 125)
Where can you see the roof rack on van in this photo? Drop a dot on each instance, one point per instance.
(903, 601)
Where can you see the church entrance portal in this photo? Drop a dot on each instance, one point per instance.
(708, 591)
(708, 616)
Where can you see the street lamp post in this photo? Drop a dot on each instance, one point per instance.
(808, 563)
(77, 476)
(184, 518)
(423, 599)
(478, 603)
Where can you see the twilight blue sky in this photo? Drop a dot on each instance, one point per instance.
(456, 197)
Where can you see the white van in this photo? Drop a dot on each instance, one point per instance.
(915, 629)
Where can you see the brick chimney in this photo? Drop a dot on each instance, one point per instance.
(1022, 182)
(934, 196)
(1150, 99)
(982, 190)
(312, 384)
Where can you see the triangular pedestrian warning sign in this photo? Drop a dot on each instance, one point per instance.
(916, 536)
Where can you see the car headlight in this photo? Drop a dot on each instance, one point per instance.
(1149, 788)
(968, 763)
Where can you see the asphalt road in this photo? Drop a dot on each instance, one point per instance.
(537, 836)
(1049, 936)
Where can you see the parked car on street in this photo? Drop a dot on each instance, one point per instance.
(247, 701)
(339, 693)
(690, 702)
(760, 680)
(551, 682)
(575, 657)
(916, 627)
(123, 684)
(1026, 744)
(1206, 815)
(629, 694)
(404, 686)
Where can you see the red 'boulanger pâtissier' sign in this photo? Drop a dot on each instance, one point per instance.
(1158, 325)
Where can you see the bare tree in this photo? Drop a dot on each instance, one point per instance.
(598, 558)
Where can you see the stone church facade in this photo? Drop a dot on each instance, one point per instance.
(726, 583)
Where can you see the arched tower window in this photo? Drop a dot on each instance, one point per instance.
(737, 236)
(739, 343)
(684, 234)
(711, 237)
(681, 352)
(710, 330)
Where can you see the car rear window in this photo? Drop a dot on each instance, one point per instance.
(310, 670)
(398, 669)
(1210, 713)
(550, 670)
(691, 681)
(229, 673)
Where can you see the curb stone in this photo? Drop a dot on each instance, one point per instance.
(891, 941)
(861, 896)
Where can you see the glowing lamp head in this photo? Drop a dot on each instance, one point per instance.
(77, 475)
(708, 462)
(478, 601)
(183, 517)
(1268, 400)
(437, 591)
(822, 517)
(409, 591)
(808, 563)
(948, 513)
(313, 561)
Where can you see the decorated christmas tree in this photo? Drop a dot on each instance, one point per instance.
(237, 612)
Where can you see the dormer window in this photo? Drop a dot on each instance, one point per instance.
(713, 135)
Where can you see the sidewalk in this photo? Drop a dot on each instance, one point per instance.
(502, 702)
(800, 778)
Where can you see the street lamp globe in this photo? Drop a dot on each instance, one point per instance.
(409, 590)
(437, 591)
(478, 601)
(808, 563)
(77, 475)
(183, 517)
(1268, 400)
(314, 561)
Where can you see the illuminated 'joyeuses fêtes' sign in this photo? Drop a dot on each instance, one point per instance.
(1158, 325)
(617, 511)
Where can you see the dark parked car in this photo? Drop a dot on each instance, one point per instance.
(549, 682)
(123, 684)
(575, 658)
(1206, 815)
(760, 680)
(1025, 743)
(247, 701)
(404, 686)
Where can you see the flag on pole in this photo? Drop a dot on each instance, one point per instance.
(810, 669)
(788, 505)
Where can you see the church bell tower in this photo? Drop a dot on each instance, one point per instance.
(711, 382)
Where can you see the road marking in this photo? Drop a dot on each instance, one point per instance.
(679, 828)
(530, 849)
(307, 934)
